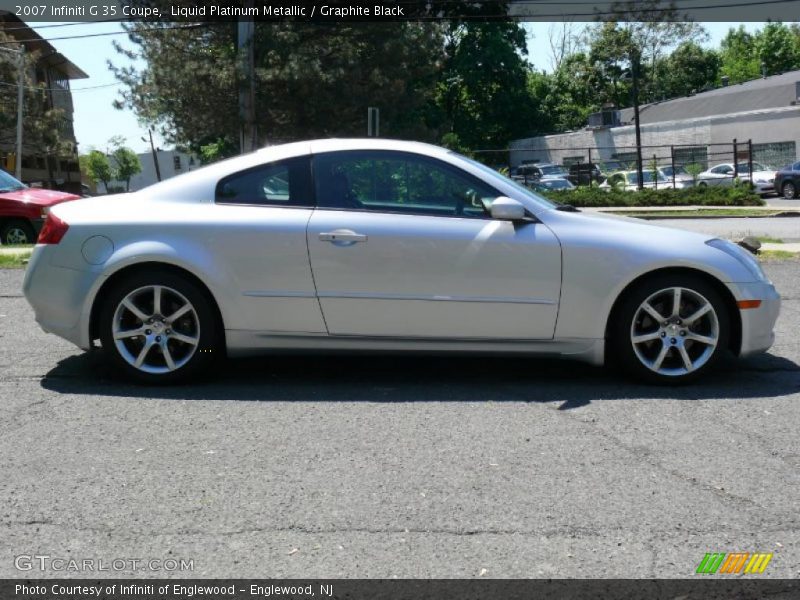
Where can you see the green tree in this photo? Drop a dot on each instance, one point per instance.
(778, 48)
(483, 89)
(97, 167)
(126, 163)
(690, 68)
(311, 80)
(739, 57)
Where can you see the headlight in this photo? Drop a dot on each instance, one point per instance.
(740, 254)
(761, 181)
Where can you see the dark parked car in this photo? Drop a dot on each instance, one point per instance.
(527, 173)
(787, 181)
(585, 173)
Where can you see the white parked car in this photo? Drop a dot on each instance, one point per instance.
(627, 180)
(384, 245)
(724, 174)
(682, 178)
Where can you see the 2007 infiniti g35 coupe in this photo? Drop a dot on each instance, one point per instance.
(384, 245)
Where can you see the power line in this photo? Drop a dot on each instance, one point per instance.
(93, 35)
(56, 89)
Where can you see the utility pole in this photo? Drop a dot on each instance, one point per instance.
(248, 135)
(20, 103)
(635, 77)
(20, 100)
(155, 154)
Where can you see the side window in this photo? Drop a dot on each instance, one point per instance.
(796, 166)
(284, 183)
(398, 182)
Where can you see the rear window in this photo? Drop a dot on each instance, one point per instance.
(283, 183)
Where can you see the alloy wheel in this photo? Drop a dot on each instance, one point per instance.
(675, 331)
(17, 235)
(789, 191)
(156, 329)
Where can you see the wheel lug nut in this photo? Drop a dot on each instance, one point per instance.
(169, 332)
(158, 339)
(148, 332)
(663, 334)
(674, 341)
(683, 333)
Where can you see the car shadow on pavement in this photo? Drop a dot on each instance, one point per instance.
(405, 378)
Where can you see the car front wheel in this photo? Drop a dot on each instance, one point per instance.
(159, 327)
(671, 329)
(789, 190)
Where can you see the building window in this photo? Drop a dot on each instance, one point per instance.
(693, 155)
(176, 162)
(776, 155)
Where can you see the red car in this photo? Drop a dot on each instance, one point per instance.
(22, 209)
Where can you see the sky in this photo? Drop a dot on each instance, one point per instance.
(96, 120)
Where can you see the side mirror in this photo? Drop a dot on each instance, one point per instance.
(507, 209)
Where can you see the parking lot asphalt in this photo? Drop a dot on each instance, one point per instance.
(384, 466)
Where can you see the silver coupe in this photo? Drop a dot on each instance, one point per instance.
(384, 245)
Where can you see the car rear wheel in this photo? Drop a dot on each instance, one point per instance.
(159, 327)
(17, 231)
(671, 329)
(789, 190)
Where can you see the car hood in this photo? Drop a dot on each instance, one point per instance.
(38, 197)
(638, 231)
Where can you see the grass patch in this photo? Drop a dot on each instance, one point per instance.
(700, 212)
(767, 255)
(765, 239)
(16, 260)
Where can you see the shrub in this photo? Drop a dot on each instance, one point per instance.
(696, 196)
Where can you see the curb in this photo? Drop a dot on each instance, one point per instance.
(645, 217)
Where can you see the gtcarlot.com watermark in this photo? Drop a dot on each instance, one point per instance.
(45, 562)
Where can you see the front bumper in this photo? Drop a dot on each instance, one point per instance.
(757, 323)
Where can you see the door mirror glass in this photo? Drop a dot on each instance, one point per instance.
(507, 209)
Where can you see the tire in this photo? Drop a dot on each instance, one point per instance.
(678, 352)
(164, 345)
(789, 190)
(17, 231)
(702, 184)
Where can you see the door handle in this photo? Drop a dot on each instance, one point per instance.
(343, 235)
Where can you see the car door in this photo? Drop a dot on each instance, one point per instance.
(401, 245)
(721, 175)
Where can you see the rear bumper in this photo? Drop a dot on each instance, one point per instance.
(59, 297)
(757, 323)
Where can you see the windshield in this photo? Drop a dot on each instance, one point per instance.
(494, 175)
(9, 184)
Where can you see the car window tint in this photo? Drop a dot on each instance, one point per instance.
(796, 166)
(284, 183)
(398, 182)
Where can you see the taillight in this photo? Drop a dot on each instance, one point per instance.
(53, 230)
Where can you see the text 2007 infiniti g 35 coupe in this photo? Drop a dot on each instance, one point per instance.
(384, 245)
